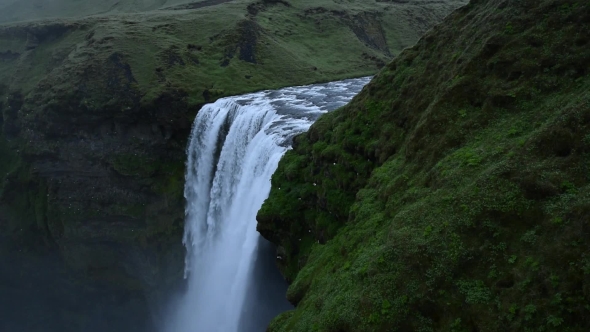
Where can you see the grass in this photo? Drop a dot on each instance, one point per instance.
(14, 11)
(303, 48)
(457, 186)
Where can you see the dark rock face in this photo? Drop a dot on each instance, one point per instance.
(242, 42)
(262, 304)
(197, 5)
(99, 188)
(8, 55)
(40, 294)
(368, 29)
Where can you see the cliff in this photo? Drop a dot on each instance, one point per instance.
(95, 114)
(452, 193)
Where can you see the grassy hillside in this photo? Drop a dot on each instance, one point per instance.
(214, 51)
(29, 10)
(453, 193)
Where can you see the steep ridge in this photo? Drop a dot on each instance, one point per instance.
(96, 112)
(452, 194)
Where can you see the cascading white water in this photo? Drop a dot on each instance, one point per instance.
(235, 147)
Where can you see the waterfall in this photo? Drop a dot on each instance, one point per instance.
(235, 146)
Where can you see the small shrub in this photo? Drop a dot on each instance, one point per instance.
(475, 291)
(512, 259)
(554, 321)
(529, 311)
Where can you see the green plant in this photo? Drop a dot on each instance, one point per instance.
(512, 259)
(529, 310)
(530, 237)
(512, 311)
(475, 291)
(508, 28)
(554, 321)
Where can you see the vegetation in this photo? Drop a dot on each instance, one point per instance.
(453, 193)
(266, 45)
(16, 10)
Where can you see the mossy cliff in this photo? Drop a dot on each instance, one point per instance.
(453, 193)
(95, 113)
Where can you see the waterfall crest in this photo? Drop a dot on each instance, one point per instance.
(235, 146)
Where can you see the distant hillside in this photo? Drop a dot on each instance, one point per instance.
(27, 10)
(222, 48)
(453, 193)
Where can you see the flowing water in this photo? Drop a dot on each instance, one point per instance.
(235, 146)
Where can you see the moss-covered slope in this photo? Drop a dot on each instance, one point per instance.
(453, 194)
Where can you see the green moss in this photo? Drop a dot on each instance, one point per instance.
(8, 162)
(23, 196)
(133, 211)
(134, 165)
(459, 201)
(170, 180)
